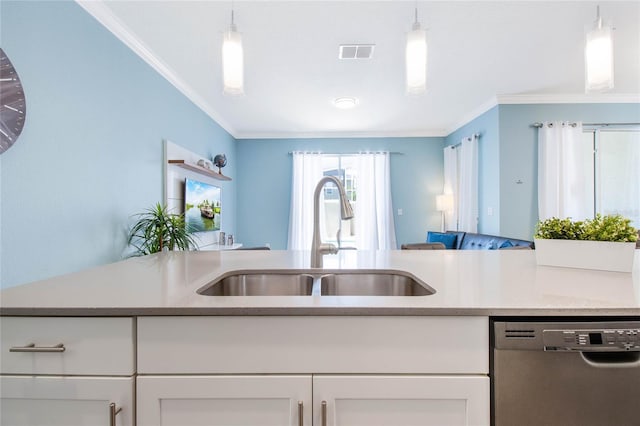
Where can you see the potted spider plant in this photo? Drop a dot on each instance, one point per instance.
(604, 243)
(156, 230)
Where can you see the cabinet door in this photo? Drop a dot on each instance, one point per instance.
(65, 401)
(224, 400)
(401, 400)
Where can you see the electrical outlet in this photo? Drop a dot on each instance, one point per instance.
(489, 211)
(399, 212)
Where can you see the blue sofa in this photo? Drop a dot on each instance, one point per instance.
(470, 241)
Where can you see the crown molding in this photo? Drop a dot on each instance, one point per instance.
(106, 18)
(570, 98)
(439, 133)
(472, 115)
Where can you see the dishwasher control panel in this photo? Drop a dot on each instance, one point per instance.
(596, 340)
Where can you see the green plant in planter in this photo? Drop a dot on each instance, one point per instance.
(157, 230)
(602, 228)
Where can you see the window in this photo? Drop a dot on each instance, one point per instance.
(342, 167)
(367, 180)
(614, 171)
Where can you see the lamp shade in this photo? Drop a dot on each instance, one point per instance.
(598, 54)
(233, 62)
(416, 60)
(444, 202)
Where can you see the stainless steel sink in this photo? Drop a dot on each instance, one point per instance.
(316, 283)
(383, 283)
(260, 284)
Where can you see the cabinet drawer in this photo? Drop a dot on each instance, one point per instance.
(219, 345)
(90, 346)
(68, 401)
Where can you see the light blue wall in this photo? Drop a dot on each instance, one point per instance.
(90, 154)
(518, 154)
(489, 170)
(264, 184)
(508, 158)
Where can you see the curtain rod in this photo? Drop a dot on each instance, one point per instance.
(475, 136)
(346, 153)
(539, 124)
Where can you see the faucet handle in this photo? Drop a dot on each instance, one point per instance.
(327, 248)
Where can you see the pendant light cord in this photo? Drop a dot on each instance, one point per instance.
(233, 23)
(416, 24)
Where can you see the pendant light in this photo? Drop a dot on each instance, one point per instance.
(416, 58)
(233, 60)
(598, 55)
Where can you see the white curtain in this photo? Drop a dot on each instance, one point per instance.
(374, 224)
(563, 187)
(451, 186)
(468, 196)
(307, 172)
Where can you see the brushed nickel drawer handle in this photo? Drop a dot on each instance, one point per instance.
(300, 414)
(324, 413)
(113, 413)
(33, 348)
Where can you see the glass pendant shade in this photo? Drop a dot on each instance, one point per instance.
(598, 55)
(233, 62)
(416, 60)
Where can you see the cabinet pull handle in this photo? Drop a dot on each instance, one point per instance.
(113, 413)
(33, 348)
(324, 413)
(300, 413)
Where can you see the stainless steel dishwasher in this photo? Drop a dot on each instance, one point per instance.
(584, 373)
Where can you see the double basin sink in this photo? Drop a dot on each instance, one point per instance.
(317, 283)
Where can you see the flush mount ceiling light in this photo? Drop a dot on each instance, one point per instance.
(598, 56)
(416, 59)
(232, 61)
(345, 102)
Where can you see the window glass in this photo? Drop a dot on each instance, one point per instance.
(342, 167)
(616, 177)
(617, 174)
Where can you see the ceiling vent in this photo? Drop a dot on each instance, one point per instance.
(356, 51)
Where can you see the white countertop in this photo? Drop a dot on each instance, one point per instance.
(506, 282)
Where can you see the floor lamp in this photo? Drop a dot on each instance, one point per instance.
(444, 204)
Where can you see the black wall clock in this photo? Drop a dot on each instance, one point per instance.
(13, 107)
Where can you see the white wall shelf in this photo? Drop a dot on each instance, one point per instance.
(198, 169)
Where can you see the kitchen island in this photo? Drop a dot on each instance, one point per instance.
(505, 282)
(133, 342)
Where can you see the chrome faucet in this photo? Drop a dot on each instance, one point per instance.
(318, 249)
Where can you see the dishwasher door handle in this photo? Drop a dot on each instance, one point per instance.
(612, 359)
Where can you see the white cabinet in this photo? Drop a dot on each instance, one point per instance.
(248, 371)
(66, 401)
(281, 400)
(400, 400)
(272, 400)
(67, 371)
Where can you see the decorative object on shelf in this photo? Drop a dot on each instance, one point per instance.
(220, 161)
(205, 164)
(605, 243)
(157, 230)
(13, 108)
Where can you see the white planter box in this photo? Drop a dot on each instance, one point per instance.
(601, 255)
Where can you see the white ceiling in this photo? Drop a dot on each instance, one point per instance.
(480, 53)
